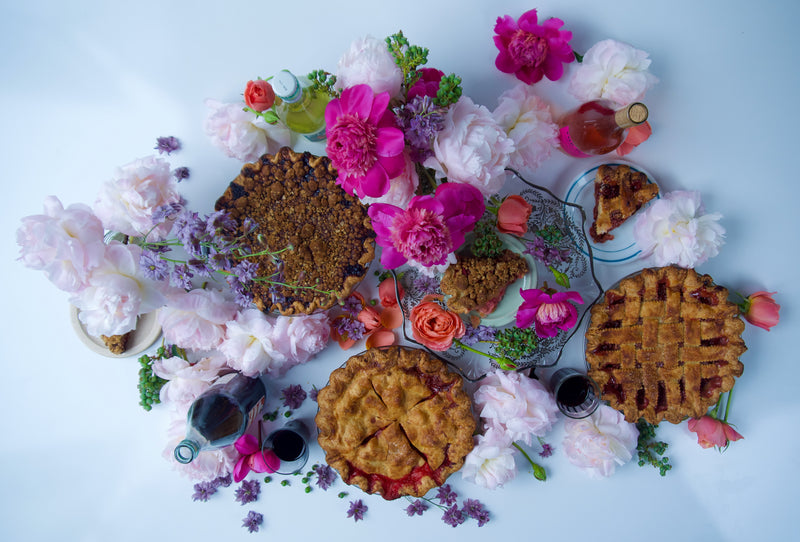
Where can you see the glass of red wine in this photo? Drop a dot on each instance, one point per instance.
(290, 445)
(577, 395)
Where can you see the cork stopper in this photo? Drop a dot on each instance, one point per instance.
(632, 115)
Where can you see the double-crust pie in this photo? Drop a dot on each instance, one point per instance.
(619, 192)
(664, 344)
(395, 421)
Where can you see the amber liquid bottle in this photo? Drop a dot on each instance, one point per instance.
(597, 128)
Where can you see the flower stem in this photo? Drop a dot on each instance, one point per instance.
(728, 405)
(538, 471)
(505, 363)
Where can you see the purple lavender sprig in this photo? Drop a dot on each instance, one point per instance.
(420, 119)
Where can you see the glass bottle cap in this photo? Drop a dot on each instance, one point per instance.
(286, 86)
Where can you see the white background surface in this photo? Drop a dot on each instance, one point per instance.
(88, 87)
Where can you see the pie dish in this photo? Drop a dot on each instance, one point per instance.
(664, 344)
(395, 422)
(325, 234)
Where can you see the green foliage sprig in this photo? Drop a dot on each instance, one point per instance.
(516, 343)
(323, 81)
(408, 57)
(150, 384)
(651, 451)
(449, 90)
(487, 243)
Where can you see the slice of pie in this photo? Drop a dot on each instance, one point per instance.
(618, 192)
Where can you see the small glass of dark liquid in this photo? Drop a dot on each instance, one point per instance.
(577, 395)
(290, 445)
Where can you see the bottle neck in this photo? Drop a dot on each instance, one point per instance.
(632, 115)
(186, 451)
(287, 87)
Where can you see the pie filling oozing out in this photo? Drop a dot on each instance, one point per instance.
(395, 421)
(664, 344)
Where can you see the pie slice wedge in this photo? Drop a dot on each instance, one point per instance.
(619, 192)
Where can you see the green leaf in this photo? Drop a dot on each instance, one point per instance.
(561, 278)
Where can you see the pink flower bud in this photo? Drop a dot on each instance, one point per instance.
(761, 310)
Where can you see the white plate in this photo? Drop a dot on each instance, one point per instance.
(146, 332)
(622, 248)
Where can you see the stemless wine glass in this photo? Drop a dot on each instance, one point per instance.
(290, 445)
(577, 395)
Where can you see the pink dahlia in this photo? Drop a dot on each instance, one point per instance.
(530, 50)
(550, 312)
(364, 143)
(430, 228)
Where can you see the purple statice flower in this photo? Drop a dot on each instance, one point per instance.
(181, 173)
(313, 393)
(446, 495)
(249, 225)
(222, 481)
(220, 223)
(352, 306)
(474, 335)
(165, 212)
(242, 295)
(248, 491)
(547, 450)
(203, 490)
(219, 261)
(246, 270)
(293, 396)
(475, 509)
(167, 144)
(453, 516)
(253, 521)
(189, 227)
(181, 277)
(199, 267)
(416, 508)
(352, 329)
(547, 254)
(420, 119)
(325, 476)
(425, 284)
(356, 510)
(153, 266)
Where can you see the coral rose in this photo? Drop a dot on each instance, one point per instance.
(513, 214)
(387, 293)
(713, 432)
(435, 327)
(258, 95)
(761, 310)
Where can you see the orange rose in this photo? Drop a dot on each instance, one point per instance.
(258, 95)
(435, 327)
(386, 292)
(513, 214)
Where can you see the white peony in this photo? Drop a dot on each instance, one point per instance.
(196, 319)
(241, 134)
(126, 203)
(248, 345)
(368, 61)
(472, 148)
(675, 230)
(600, 442)
(527, 120)
(612, 70)
(490, 464)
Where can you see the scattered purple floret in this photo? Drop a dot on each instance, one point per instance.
(325, 476)
(352, 306)
(425, 284)
(253, 521)
(222, 481)
(547, 450)
(356, 510)
(474, 335)
(248, 491)
(350, 328)
(453, 516)
(203, 490)
(167, 144)
(313, 393)
(417, 508)
(446, 495)
(293, 396)
(181, 173)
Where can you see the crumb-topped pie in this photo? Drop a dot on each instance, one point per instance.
(619, 192)
(395, 421)
(664, 344)
(297, 205)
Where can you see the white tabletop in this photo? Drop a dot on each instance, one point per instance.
(89, 86)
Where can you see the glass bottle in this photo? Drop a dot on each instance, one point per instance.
(221, 414)
(300, 107)
(597, 128)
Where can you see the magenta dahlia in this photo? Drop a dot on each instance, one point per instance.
(530, 50)
(364, 144)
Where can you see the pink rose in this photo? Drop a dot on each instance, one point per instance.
(471, 148)
(761, 310)
(491, 463)
(435, 327)
(513, 214)
(519, 405)
(600, 442)
(550, 312)
(258, 95)
(527, 120)
(369, 62)
(241, 134)
(427, 84)
(126, 203)
(67, 244)
(196, 319)
(713, 432)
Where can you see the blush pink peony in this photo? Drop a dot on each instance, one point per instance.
(491, 463)
(248, 345)
(471, 148)
(66, 244)
(299, 338)
(600, 442)
(519, 405)
(126, 203)
(196, 319)
(549, 312)
(369, 62)
(241, 134)
(527, 120)
(186, 381)
(364, 144)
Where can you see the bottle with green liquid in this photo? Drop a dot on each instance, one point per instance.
(301, 108)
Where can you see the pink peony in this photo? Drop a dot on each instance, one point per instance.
(600, 442)
(472, 148)
(67, 244)
(550, 312)
(761, 310)
(196, 319)
(126, 203)
(116, 293)
(519, 405)
(490, 464)
(527, 120)
(676, 230)
(612, 70)
(401, 189)
(530, 50)
(427, 84)
(364, 144)
(430, 229)
(248, 345)
(713, 432)
(186, 381)
(208, 464)
(241, 134)
(299, 338)
(369, 62)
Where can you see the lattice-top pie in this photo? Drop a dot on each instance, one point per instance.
(618, 192)
(395, 422)
(664, 344)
